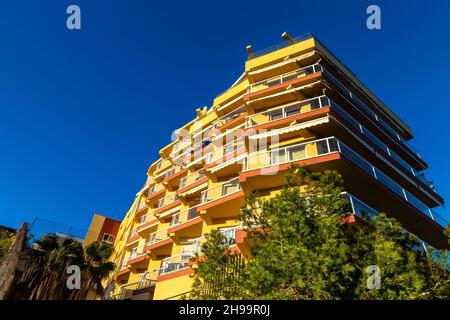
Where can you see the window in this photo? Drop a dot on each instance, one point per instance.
(108, 238)
(276, 115)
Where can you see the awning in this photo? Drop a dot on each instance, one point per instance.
(193, 190)
(169, 212)
(227, 163)
(292, 128)
(280, 64)
(285, 92)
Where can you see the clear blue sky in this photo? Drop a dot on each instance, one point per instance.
(84, 113)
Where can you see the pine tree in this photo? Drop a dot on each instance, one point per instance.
(303, 248)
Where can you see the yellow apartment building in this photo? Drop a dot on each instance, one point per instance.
(295, 103)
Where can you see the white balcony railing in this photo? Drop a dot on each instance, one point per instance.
(221, 190)
(289, 76)
(286, 111)
(157, 236)
(292, 153)
(191, 178)
(184, 216)
(167, 200)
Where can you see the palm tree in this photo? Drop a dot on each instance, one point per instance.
(98, 266)
(45, 273)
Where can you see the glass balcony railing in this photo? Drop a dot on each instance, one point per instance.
(191, 178)
(157, 236)
(221, 190)
(315, 148)
(167, 200)
(283, 78)
(363, 210)
(286, 111)
(280, 46)
(226, 149)
(133, 233)
(292, 153)
(392, 154)
(126, 291)
(136, 253)
(391, 184)
(184, 216)
(229, 117)
(155, 188)
(146, 218)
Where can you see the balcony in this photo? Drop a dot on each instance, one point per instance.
(133, 238)
(166, 203)
(141, 207)
(155, 192)
(272, 117)
(230, 119)
(186, 223)
(145, 285)
(294, 153)
(175, 266)
(279, 80)
(137, 255)
(158, 241)
(146, 222)
(217, 202)
(226, 152)
(191, 179)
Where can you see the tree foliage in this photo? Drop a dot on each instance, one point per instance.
(302, 248)
(45, 273)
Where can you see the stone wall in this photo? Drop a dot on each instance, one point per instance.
(12, 261)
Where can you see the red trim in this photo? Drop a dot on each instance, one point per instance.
(138, 259)
(131, 240)
(302, 116)
(232, 122)
(185, 225)
(175, 175)
(216, 202)
(192, 185)
(141, 210)
(281, 85)
(158, 244)
(167, 207)
(155, 194)
(226, 158)
(285, 166)
(147, 224)
(175, 274)
(122, 272)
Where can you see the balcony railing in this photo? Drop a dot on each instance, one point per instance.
(286, 111)
(133, 233)
(389, 183)
(221, 190)
(280, 45)
(392, 154)
(363, 210)
(226, 149)
(157, 236)
(184, 216)
(155, 188)
(136, 253)
(316, 148)
(283, 78)
(126, 291)
(167, 200)
(193, 177)
(292, 153)
(146, 218)
(229, 117)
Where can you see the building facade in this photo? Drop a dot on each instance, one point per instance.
(295, 103)
(102, 229)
